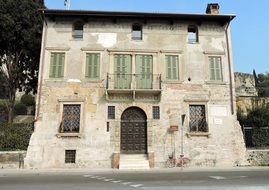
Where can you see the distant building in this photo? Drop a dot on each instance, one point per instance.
(128, 89)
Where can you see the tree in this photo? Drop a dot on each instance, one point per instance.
(20, 42)
(262, 84)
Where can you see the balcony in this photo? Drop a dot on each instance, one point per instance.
(133, 87)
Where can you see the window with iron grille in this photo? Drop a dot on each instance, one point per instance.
(111, 112)
(71, 118)
(197, 118)
(156, 112)
(70, 156)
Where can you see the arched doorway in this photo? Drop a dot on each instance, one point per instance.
(133, 131)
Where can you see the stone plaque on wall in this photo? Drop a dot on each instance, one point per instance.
(218, 111)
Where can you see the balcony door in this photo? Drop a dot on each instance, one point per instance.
(123, 70)
(144, 73)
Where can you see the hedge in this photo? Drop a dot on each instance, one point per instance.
(15, 136)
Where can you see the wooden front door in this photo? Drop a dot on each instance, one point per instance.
(133, 131)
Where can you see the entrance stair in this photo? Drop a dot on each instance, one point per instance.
(134, 162)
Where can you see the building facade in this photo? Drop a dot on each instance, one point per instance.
(113, 84)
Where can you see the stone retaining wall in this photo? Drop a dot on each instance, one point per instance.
(12, 159)
(258, 157)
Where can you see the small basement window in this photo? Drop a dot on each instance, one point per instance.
(136, 32)
(70, 156)
(111, 112)
(192, 34)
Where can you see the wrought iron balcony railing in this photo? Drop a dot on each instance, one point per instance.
(133, 81)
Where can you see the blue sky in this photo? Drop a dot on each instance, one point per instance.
(250, 28)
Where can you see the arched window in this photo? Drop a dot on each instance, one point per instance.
(192, 34)
(78, 30)
(136, 32)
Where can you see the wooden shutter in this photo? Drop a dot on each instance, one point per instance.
(57, 65)
(122, 71)
(92, 70)
(171, 67)
(215, 68)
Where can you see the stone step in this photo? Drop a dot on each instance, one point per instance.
(133, 162)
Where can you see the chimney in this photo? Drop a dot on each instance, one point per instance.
(212, 8)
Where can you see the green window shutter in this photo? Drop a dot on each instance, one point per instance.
(52, 65)
(122, 71)
(61, 58)
(171, 67)
(57, 65)
(215, 69)
(92, 70)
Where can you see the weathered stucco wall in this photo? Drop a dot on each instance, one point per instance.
(222, 145)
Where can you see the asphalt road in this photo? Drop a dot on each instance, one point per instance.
(257, 179)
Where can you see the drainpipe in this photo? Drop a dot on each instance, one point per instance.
(41, 67)
(230, 67)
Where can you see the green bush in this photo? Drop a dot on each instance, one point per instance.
(15, 136)
(20, 109)
(28, 100)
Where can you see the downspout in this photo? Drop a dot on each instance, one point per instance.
(230, 68)
(41, 67)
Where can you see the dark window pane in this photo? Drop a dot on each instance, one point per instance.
(71, 118)
(111, 112)
(197, 118)
(137, 32)
(78, 30)
(192, 34)
(156, 112)
(70, 156)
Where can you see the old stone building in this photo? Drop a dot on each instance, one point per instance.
(128, 89)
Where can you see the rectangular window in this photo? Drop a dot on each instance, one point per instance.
(122, 71)
(156, 112)
(137, 32)
(215, 67)
(197, 118)
(172, 67)
(57, 65)
(192, 34)
(92, 70)
(71, 118)
(70, 156)
(111, 112)
(78, 30)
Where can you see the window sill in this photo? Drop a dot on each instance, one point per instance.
(172, 82)
(93, 80)
(198, 134)
(216, 82)
(62, 135)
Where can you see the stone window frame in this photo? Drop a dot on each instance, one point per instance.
(85, 51)
(199, 133)
(72, 101)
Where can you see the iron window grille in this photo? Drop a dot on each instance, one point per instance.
(71, 118)
(197, 121)
(156, 112)
(111, 112)
(70, 156)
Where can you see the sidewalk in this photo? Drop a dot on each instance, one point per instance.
(72, 171)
